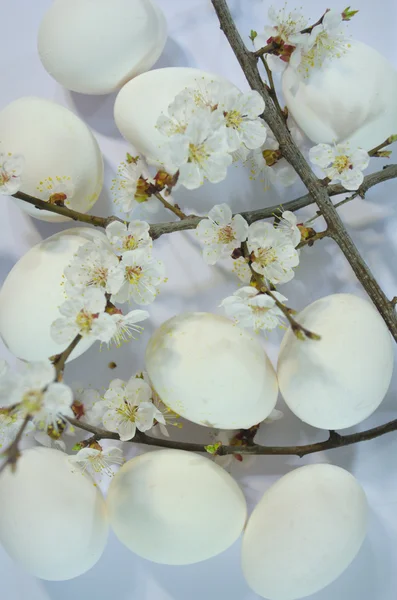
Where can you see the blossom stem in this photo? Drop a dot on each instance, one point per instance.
(334, 440)
(175, 209)
(310, 241)
(293, 155)
(12, 452)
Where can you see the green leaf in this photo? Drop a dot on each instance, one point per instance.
(384, 153)
(253, 35)
(347, 14)
(77, 447)
(213, 448)
(392, 138)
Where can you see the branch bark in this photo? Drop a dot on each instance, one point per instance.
(293, 155)
(335, 440)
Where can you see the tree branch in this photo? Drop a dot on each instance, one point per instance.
(293, 155)
(335, 440)
(60, 359)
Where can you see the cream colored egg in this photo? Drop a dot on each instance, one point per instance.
(34, 290)
(175, 507)
(340, 380)
(140, 103)
(94, 47)
(350, 98)
(53, 520)
(58, 148)
(305, 531)
(208, 370)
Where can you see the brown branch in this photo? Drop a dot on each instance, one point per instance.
(335, 440)
(175, 209)
(272, 87)
(66, 212)
(390, 140)
(293, 155)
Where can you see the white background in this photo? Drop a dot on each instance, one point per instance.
(195, 40)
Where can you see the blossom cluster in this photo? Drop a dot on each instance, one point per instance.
(299, 46)
(104, 272)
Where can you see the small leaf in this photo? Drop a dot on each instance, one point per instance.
(347, 14)
(384, 154)
(253, 35)
(392, 139)
(213, 448)
(77, 447)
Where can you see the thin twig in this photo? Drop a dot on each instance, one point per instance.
(310, 241)
(60, 359)
(12, 452)
(293, 155)
(271, 85)
(390, 140)
(335, 440)
(177, 211)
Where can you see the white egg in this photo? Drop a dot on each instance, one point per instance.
(340, 380)
(140, 103)
(96, 47)
(33, 291)
(175, 507)
(56, 145)
(350, 98)
(53, 520)
(208, 370)
(305, 531)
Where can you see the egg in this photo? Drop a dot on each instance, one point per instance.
(208, 370)
(351, 98)
(58, 149)
(53, 520)
(305, 531)
(33, 292)
(96, 47)
(341, 379)
(140, 103)
(175, 507)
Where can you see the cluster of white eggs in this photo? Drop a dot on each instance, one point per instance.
(170, 506)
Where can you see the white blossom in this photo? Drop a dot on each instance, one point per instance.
(97, 461)
(142, 277)
(285, 30)
(241, 269)
(94, 265)
(268, 164)
(54, 440)
(201, 152)
(124, 186)
(125, 237)
(130, 407)
(272, 253)
(57, 188)
(34, 393)
(250, 308)
(84, 315)
(288, 224)
(126, 326)
(326, 40)
(11, 167)
(221, 233)
(170, 418)
(239, 116)
(341, 164)
(89, 403)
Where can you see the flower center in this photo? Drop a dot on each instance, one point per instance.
(233, 119)
(197, 153)
(226, 235)
(133, 274)
(84, 321)
(341, 163)
(99, 276)
(129, 243)
(4, 177)
(128, 411)
(265, 256)
(32, 401)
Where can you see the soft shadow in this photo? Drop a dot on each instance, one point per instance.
(96, 112)
(174, 55)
